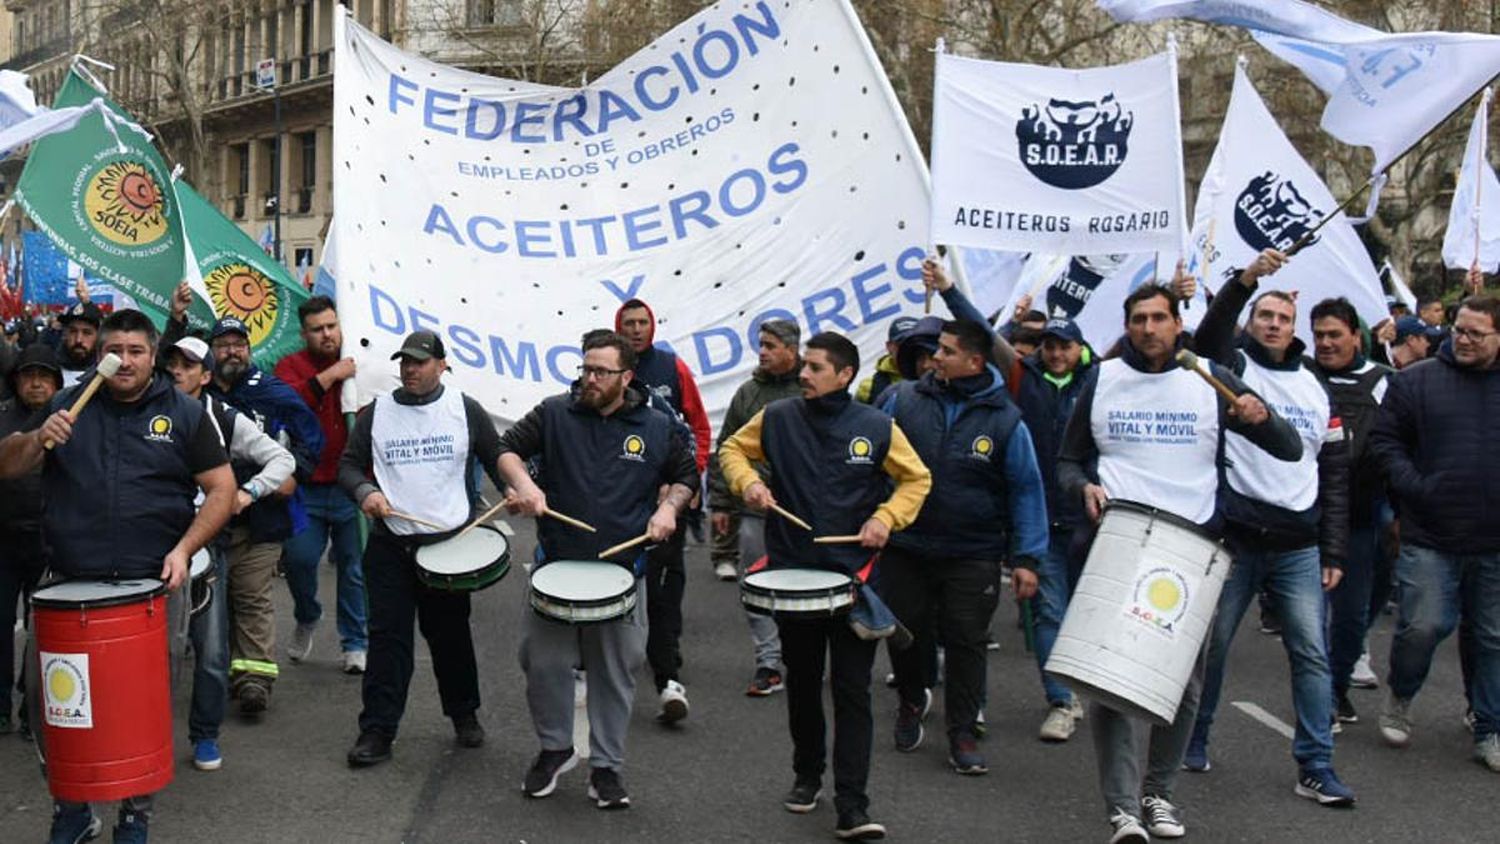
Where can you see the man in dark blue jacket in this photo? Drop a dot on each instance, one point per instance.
(1046, 384)
(1435, 437)
(942, 574)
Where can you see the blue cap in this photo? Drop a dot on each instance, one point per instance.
(899, 326)
(1410, 326)
(1063, 329)
(229, 325)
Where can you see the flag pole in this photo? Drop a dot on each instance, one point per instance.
(1479, 161)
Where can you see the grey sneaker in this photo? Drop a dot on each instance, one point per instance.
(1487, 752)
(302, 641)
(1059, 725)
(1127, 829)
(726, 571)
(1161, 817)
(1395, 721)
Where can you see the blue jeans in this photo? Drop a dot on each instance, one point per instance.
(1435, 588)
(1294, 580)
(330, 513)
(1349, 610)
(209, 633)
(1056, 580)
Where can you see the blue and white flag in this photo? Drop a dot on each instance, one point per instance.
(1046, 159)
(1260, 194)
(1283, 17)
(17, 102)
(1473, 235)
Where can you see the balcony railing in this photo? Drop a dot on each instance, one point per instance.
(40, 53)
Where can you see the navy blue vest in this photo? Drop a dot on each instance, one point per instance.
(656, 370)
(827, 457)
(1046, 410)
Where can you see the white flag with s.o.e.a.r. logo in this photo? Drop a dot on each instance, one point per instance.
(1045, 159)
(1259, 194)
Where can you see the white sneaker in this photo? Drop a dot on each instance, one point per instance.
(1363, 677)
(1128, 829)
(354, 662)
(1059, 724)
(674, 703)
(302, 641)
(1161, 817)
(1395, 721)
(725, 571)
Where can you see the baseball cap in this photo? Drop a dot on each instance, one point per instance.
(899, 326)
(422, 345)
(39, 356)
(1063, 329)
(229, 325)
(196, 351)
(86, 311)
(1409, 326)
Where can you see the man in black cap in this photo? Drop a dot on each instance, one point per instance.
(253, 540)
(35, 380)
(886, 372)
(408, 454)
(80, 334)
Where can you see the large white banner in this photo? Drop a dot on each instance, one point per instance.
(1257, 194)
(1028, 158)
(1473, 235)
(751, 164)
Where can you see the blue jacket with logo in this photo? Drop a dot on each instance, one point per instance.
(120, 491)
(988, 499)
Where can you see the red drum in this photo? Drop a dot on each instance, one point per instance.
(105, 693)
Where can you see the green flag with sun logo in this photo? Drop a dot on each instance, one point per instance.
(242, 280)
(103, 194)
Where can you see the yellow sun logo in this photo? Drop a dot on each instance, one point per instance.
(125, 204)
(633, 448)
(983, 446)
(61, 685)
(161, 425)
(860, 449)
(239, 290)
(1164, 594)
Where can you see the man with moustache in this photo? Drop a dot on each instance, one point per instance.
(317, 373)
(80, 334)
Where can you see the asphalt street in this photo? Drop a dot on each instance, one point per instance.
(720, 775)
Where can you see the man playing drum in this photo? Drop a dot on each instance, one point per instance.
(119, 487)
(832, 463)
(408, 455)
(1108, 451)
(612, 462)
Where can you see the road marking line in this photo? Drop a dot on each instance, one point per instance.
(1265, 718)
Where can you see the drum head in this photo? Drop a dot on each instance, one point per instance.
(201, 564)
(97, 593)
(483, 546)
(580, 580)
(797, 579)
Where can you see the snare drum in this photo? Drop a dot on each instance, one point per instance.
(202, 577)
(467, 563)
(582, 591)
(798, 593)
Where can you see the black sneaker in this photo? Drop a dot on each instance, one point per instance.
(467, 730)
(855, 825)
(908, 731)
(371, 748)
(549, 765)
(1346, 713)
(803, 797)
(132, 828)
(767, 681)
(606, 790)
(964, 756)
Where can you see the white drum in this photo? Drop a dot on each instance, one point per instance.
(1143, 607)
(582, 591)
(798, 593)
(467, 563)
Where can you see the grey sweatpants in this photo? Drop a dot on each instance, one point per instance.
(762, 627)
(1117, 747)
(610, 653)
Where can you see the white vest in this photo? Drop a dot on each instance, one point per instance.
(1298, 397)
(1158, 437)
(421, 457)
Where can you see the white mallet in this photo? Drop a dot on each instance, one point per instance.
(108, 366)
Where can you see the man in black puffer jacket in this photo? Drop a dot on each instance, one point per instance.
(1434, 436)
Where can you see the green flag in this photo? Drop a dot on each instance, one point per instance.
(242, 280)
(104, 195)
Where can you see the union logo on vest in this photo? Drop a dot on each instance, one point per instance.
(1272, 214)
(1074, 145)
(981, 448)
(860, 451)
(634, 448)
(159, 429)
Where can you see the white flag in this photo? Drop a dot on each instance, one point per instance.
(991, 275)
(1284, 17)
(1045, 159)
(17, 102)
(1476, 203)
(1262, 195)
(1398, 287)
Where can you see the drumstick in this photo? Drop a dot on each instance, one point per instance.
(787, 514)
(108, 366)
(1188, 360)
(482, 517)
(836, 540)
(569, 520)
(414, 520)
(629, 543)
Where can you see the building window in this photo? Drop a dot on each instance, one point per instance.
(494, 12)
(307, 149)
(239, 163)
(271, 155)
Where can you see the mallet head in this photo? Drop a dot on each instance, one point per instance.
(109, 365)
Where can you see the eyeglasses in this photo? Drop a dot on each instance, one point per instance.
(227, 345)
(1471, 335)
(598, 373)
